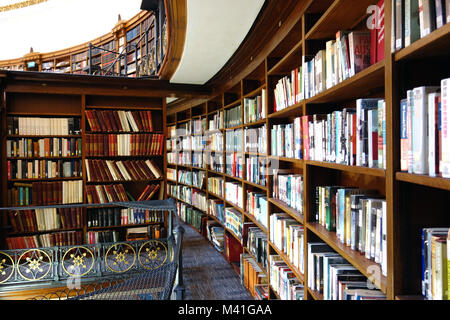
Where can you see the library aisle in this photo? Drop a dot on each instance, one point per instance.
(206, 273)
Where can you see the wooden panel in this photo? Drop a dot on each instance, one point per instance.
(37, 104)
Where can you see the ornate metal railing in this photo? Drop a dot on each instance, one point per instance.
(72, 266)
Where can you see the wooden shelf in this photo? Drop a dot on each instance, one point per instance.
(263, 188)
(411, 298)
(433, 182)
(255, 123)
(362, 84)
(258, 224)
(295, 110)
(234, 235)
(126, 108)
(353, 169)
(339, 17)
(292, 212)
(123, 181)
(292, 160)
(357, 259)
(436, 44)
(315, 294)
(43, 231)
(255, 92)
(254, 258)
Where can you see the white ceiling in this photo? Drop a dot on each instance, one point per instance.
(215, 29)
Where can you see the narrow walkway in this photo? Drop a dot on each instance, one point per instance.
(206, 273)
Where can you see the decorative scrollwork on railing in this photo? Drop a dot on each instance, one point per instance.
(153, 254)
(78, 261)
(7, 267)
(34, 264)
(120, 257)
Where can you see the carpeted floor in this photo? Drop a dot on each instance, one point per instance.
(206, 273)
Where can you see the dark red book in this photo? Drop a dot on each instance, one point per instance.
(380, 32)
(233, 248)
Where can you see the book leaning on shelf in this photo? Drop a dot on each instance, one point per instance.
(128, 170)
(257, 245)
(424, 138)
(216, 209)
(215, 234)
(257, 206)
(117, 193)
(119, 121)
(288, 188)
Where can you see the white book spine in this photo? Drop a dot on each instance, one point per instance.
(431, 134)
(445, 111)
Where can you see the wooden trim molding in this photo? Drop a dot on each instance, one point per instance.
(176, 15)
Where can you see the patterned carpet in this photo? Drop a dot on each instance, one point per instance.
(206, 273)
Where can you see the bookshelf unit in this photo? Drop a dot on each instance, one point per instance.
(303, 32)
(70, 98)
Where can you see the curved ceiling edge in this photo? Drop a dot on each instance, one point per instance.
(214, 31)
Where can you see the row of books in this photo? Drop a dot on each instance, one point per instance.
(255, 108)
(109, 217)
(128, 170)
(67, 238)
(215, 234)
(198, 179)
(335, 278)
(234, 194)
(217, 209)
(107, 236)
(217, 121)
(287, 235)
(215, 142)
(257, 245)
(350, 137)
(190, 215)
(199, 159)
(47, 147)
(415, 19)
(198, 125)
(216, 185)
(234, 221)
(233, 117)
(106, 193)
(124, 145)
(44, 169)
(171, 144)
(424, 139)
(45, 193)
(256, 170)
(185, 177)
(283, 280)
(253, 277)
(255, 140)
(233, 140)
(358, 217)
(214, 162)
(199, 200)
(46, 219)
(435, 263)
(235, 165)
(37, 126)
(172, 131)
(286, 140)
(119, 121)
(288, 188)
(349, 54)
(257, 206)
(171, 174)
